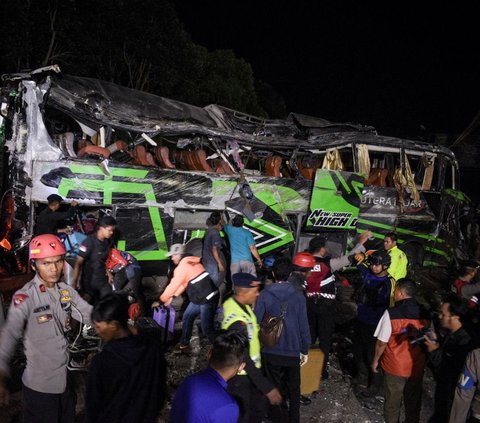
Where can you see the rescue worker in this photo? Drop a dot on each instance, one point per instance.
(40, 313)
(91, 261)
(373, 297)
(467, 289)
(398, 267)
(49, 218)
(403, 361)
(249, 386)
(463, 285)
(322, 290)
(303, 264)
(127, 273)
(466, 403)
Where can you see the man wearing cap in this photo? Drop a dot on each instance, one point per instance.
(49, 218)
(249, 384)
(190, 276)
(41, 313)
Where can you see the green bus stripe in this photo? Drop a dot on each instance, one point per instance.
(400, 230)
(343, 182)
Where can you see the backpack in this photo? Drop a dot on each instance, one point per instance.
(116, 261)
(271, 328)
(201, 289)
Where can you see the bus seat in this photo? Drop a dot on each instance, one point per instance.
(142, 157)
(306, 169)
(162, 156)
(222, 167)
(272, 166)
(199, 158)
(117, 146)
(94, 150)
(377, 177)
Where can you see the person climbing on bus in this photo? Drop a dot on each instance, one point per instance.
(49, 219)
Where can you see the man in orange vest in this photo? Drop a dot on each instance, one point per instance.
(402, 358)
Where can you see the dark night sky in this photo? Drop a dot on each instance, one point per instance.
(393, 67)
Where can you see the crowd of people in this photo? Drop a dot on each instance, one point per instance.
(246, 380)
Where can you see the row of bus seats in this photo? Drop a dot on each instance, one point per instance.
(277, 166)
(158, 156)
(196, 160)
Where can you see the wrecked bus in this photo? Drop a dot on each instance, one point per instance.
(160, 167)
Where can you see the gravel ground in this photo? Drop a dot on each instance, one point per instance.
(336, 401)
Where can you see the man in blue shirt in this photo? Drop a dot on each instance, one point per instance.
(202, 397)
(242, 247)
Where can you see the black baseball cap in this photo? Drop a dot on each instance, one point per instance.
(54, 197)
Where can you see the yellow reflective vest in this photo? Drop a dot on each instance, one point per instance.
(398, 268)
(232, 312)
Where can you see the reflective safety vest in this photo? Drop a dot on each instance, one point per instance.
(398, 268)
(232, 312)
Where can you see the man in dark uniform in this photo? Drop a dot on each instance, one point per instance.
(49, 219)
(249, 387)
(91, 260)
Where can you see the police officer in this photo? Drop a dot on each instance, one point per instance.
(249, 384)
(40, 313)
(398, 267)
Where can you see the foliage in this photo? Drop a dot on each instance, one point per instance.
(140, 44)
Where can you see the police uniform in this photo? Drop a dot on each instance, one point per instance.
(467, 394)
(247, 387)
(41, 316)
(398, 268)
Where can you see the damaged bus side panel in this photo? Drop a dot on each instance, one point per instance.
(160, 167)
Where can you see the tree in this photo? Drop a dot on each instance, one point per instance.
(139, 44)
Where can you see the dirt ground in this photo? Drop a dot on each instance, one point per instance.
(336, 401)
